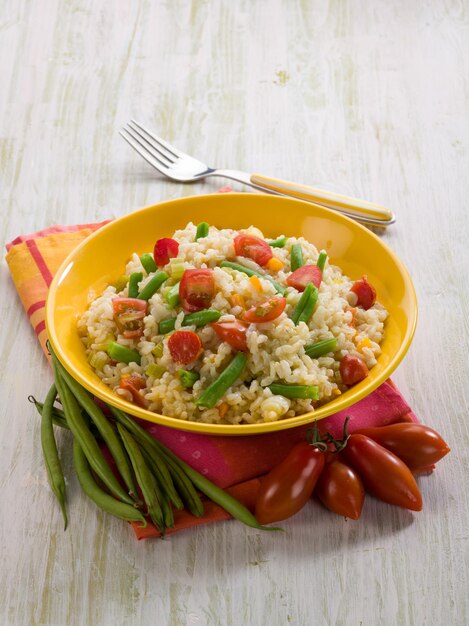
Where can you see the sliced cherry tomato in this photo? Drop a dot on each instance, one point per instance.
(233, 333)
(352, 370)
(165, 249)
(365, 292)
(384, 475)
(132, 383)
(304, 275)
(129, 314)
(341, 490)
(133, 334)
(196, 290)
(184, 346)
(288, 486)
(253, 248)
(417, 445)
(265, 312)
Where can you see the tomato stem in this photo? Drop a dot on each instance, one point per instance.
(340, 444)
(314, 438)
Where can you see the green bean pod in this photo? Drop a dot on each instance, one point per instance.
(185, 488)
(152, 285)
(322, 258)
(50, 452)
(134, 279)
(308, 308)
(148, 263)
(198, 319)
(320, 348)
(168, 516)
(120, 353)
(102, 499)
(202, 230)
(249, 272)
(172, 296)
(305, 296)
(296, 257)
(217, 389)
(58, 416)
(301, 392)
(148, 443)
(156, 462)
(188, 378)
(106, 431)
(278, 243)
(84, 436)
(145, 478)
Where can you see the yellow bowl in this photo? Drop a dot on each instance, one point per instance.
(101, 259)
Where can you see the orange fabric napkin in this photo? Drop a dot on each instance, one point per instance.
(234, 463)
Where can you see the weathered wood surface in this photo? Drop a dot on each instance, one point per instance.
(367, 98)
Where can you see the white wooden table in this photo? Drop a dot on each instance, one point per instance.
(367, 98)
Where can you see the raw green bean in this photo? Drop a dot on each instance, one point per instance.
(165, 468)
(102, 499)
(149, 444)
(134, 279)
(84, 436)
(278, 243)
(216, 494)
(320, 348)
(145, 478)
(217, 389)
(199, 318)
(105, 429)
(172, 296)
(249, 272)
(148, 263)
(152, 285)
(202, 230)
(185, 488)
(321, 262)
(122, 353)
(302, 392)
(308, 308)
(305, 296)
(296, 257)
(168, 516)
(50, 452)
(58, 416)
(188, 378)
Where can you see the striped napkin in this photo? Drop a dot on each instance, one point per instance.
(234, 463)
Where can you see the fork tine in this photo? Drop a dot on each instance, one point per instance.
(149, 145)
(161, 142)
(143, 151)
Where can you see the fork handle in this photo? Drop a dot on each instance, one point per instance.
(349, 206)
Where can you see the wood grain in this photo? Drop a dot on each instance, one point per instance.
(364, 98)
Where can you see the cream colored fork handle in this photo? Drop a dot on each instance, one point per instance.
(344, 204)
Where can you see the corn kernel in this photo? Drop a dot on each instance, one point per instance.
(223, 409)
(256, 283)
(238, 300)
(274, 264)
(363, 343)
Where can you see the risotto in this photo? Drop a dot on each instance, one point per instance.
(224, 326)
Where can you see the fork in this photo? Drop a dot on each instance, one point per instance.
(181, 167)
